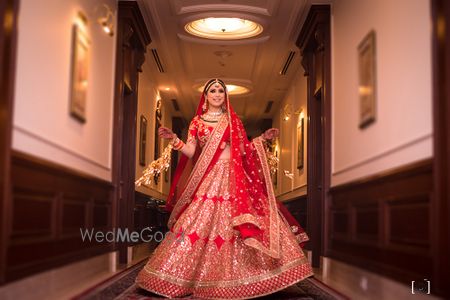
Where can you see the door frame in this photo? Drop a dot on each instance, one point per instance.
(441, 128)
(314, 42)
(8, 51)
(132, 40)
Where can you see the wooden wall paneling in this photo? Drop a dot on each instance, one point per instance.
(339, 221)
(408, 221)
(73, 216)
(101, 215)
(50, 204)
(382, 223)
(43, 207)
(366, 222)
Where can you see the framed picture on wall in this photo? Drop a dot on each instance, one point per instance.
(158, 120)
(158, 117)
(300, 143)
(367, 82)
(142, 140)
(79, 73)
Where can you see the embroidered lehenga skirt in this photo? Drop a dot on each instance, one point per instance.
(204, 257)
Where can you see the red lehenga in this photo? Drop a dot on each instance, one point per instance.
(229, 237)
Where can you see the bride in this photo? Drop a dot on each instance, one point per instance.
(229, 237)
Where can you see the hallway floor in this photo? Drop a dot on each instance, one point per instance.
(121, 287)
(89, 280)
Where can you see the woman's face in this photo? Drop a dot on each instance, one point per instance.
(216, 95)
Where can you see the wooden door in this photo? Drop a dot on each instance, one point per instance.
(132, 40)
(8, 41)
(314, 44)
(441, 161)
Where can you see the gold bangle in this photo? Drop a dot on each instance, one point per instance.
(175, 141)
(179, 145)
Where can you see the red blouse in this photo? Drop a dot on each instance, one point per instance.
(198, 130)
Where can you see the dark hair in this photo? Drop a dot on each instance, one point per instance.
(211, 81)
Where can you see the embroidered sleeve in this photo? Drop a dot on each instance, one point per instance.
(192, 131)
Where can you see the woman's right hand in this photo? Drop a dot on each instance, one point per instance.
(166, 133)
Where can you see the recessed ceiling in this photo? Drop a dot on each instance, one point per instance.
(253, 63)
(233, 89)
(225, 28)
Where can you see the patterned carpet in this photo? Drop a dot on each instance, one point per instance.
(122, 287)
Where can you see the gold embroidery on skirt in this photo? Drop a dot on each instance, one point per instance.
(204, 257)
(229, 283)
(200, 168)
(245, 218)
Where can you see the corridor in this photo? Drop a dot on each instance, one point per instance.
(351, 187)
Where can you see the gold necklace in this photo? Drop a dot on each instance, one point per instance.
(212, 117)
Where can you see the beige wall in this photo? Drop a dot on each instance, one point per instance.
(402, 132)
(147, 97)
(42, 125)
(296, 97)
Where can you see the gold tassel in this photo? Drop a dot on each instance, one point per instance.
(156, 167)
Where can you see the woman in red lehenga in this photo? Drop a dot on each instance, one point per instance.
(229, 237)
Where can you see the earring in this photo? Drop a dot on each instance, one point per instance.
(224, 108)
(205, 107)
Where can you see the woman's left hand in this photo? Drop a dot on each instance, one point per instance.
(271, 133)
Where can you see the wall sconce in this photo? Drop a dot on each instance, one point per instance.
(286, 112)
(106, 20)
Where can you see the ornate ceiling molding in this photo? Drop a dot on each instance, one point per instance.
(269, 10)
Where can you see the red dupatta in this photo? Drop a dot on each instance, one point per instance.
(256, 214)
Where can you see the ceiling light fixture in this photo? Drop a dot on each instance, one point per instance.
(224, 28)
(237, 89)
(233, 89)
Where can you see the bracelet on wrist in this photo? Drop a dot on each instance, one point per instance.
(179, 145)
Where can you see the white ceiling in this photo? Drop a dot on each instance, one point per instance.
(189, 61)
